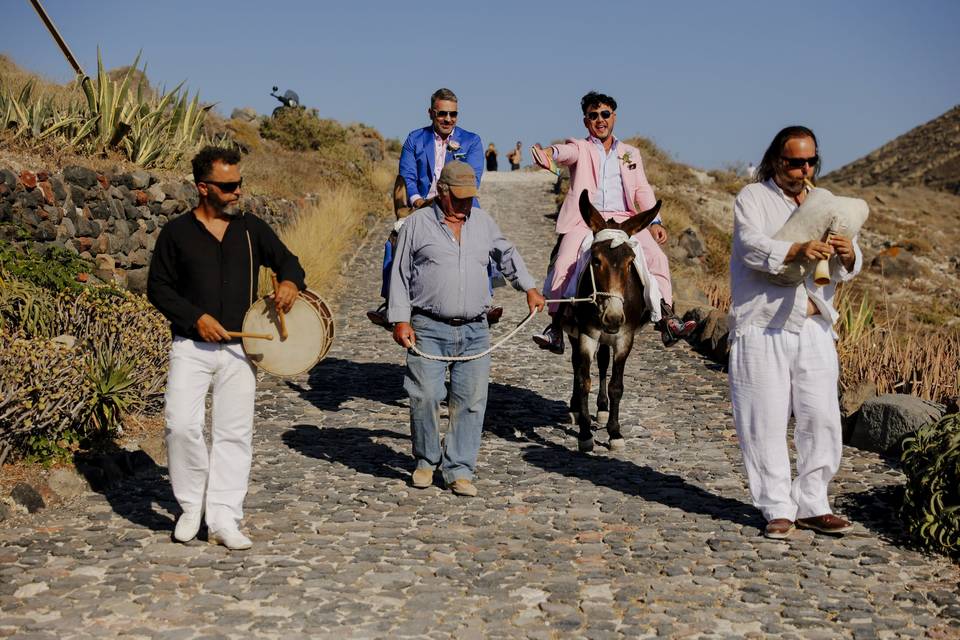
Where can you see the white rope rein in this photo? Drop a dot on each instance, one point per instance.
(476, 356)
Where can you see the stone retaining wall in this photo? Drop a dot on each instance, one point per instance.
(111, 219)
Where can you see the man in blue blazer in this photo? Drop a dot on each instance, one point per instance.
(425, 151)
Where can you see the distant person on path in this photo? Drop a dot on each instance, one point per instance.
(612, 172)
(515, 156)
(203, 279)
(491, 157)
(751, 171)
(424, 154)
(782, 354)
(439, 294)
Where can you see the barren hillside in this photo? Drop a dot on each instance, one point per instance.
(927, 155)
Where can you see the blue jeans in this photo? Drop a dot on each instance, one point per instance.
(424, 383)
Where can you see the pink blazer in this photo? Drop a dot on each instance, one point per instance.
(582, 157)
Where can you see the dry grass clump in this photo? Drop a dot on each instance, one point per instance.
(717, 290)
(275, 171)
(875, 346)
(321, 235)
(382, 176)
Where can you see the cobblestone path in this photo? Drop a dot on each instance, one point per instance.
(656, 540)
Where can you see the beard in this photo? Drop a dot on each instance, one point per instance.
(233, 210)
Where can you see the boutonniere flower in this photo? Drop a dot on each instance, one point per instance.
(454, 148)
(627, 160)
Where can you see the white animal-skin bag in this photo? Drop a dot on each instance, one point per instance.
(821, 213)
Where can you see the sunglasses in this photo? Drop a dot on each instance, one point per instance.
(797, 163)
(226, 187)
(444, 114)
(593, 115)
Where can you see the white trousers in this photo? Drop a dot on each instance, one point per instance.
(214, 480)
(774, 373)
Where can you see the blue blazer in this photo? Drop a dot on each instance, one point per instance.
(416, 158)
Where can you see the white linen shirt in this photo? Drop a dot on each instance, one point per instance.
(759, 211)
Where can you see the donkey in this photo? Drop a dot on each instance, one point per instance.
(616, 309)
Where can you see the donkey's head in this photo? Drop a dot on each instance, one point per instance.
(612, 265)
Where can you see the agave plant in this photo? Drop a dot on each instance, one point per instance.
(30, 117)
(109, 109)
(25, 308)
(151, 130)
(855, 322)
(114, 389)
(931, 501)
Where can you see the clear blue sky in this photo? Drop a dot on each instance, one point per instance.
(710, 82)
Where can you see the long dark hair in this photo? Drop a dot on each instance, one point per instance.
(771, 158)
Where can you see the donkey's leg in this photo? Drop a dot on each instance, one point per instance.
(575, 394)
(603, 401)
(620, 354)
(586, 347)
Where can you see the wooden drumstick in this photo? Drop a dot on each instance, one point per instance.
(247, 334)
(283, 321)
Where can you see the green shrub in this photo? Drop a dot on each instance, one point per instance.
(53, 395)
(109, 320)
(300, 129)
(931, 501)
(51, 267)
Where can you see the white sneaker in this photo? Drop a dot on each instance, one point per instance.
(231, 539)
(187, 526)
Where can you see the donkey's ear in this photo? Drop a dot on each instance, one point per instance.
(590, 214)
(639, 222)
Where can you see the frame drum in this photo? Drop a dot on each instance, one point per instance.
(309, 335)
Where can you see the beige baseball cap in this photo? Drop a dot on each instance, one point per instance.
(461, 179)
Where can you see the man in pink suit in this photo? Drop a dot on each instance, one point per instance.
(612, 172)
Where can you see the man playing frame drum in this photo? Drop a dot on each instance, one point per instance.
(202, 279)
(782, 353)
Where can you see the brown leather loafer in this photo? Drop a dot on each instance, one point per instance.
(827, 523)
(778, 528)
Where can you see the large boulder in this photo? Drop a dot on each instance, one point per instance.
(851, 399)
(898, 263)
(711, 337)
(885, 420)
(691, 243)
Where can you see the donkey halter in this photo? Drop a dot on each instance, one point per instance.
(616, 238)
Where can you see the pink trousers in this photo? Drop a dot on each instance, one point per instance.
(566, 261)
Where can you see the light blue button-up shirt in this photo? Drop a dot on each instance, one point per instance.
(610, 195)
(434, 272)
